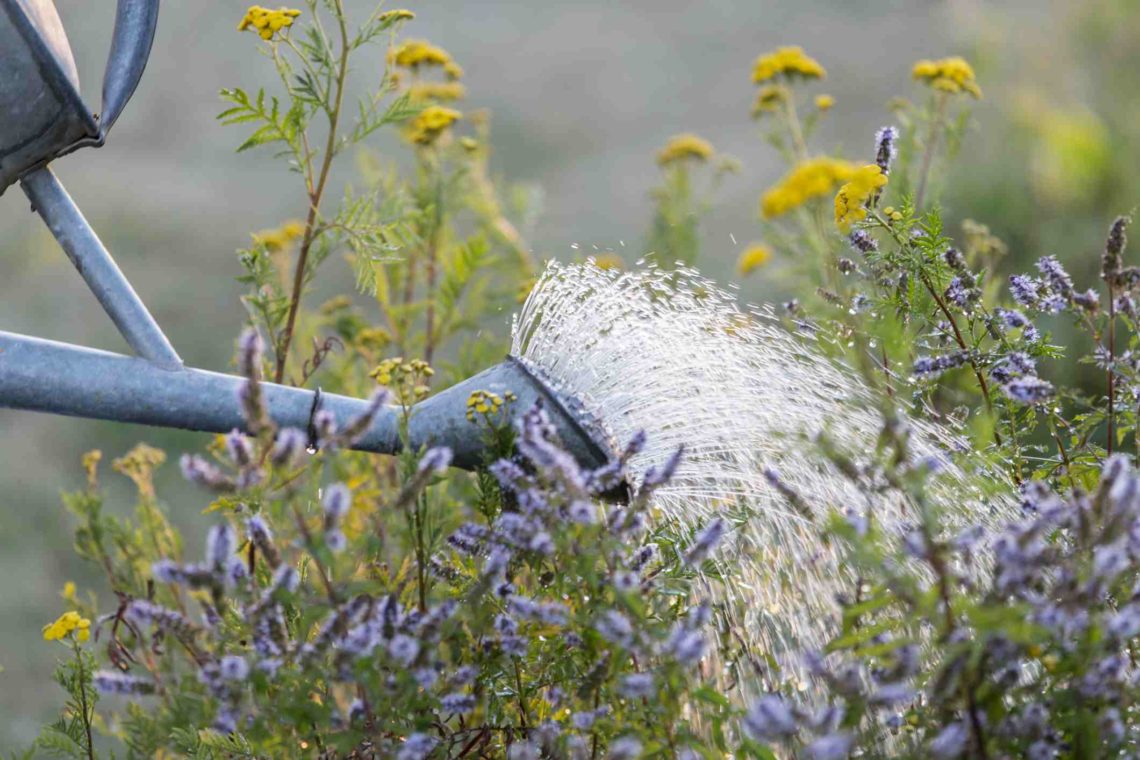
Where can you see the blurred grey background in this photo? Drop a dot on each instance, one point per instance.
(582, 94)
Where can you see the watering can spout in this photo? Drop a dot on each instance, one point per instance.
(135, 23)
(46, 376)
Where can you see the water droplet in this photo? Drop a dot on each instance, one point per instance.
(311, 449)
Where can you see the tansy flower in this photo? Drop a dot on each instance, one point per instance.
(414, 53)
(754, 257)
(813, 178)
(682, 147)
(396, 14)
(267, 22)
(609, 261)
(824, 102)
(453, 70)
(430, 124)
(951, 75)
(68, 592)
(852, 197)
(485, 403)
(280, 238)
(68, 622)
(769, 98)
(440, 91)
(790, 62)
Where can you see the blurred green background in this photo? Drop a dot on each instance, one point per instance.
(582, 94)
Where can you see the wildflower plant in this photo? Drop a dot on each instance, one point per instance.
(353, 606)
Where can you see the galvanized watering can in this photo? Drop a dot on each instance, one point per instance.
(43, 117)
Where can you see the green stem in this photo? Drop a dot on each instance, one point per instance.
(928, 153)
(315, 198)
(83, 706)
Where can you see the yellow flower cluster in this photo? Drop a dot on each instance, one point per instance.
(267, 22)
(681, 147)
(68, 623)
(754, 257)
(851, 199)
(609, 261)
(824, 102)
(396, 14)
(438, 91)
(430, 124)
(951, 75)
(280, 238)
(486, 403)
(789, 62)
(770, 97)
(415, 53)
(813, 178)
(404, 378)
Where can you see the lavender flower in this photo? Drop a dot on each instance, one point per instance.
(656, 477)
(113, 682)
(625, 748)
(221, 542)
(769, 718)
(416, 747)
(457, 703)
(686, 646)
(403, 649)
(936, 365)
(1024, 289)
(950, 743)
(197, 470)
(288, 447)
(886, 148)
(523, 751)
(637, 686)
(615, 628)
(836, 746)
(1028, 390)
(435, 461)
(1055, 274)
(262, 537)
(335, 541)
(861, 241)
(234, 668)
(142, 611)
(336, 503)
(582, 511)
(706, 541)
(239, 448)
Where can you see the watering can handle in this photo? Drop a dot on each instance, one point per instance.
(135, 22)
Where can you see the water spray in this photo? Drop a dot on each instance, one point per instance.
(609, 354)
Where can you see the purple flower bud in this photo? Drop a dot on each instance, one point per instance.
(435, 461)
(239, 448)
(637, 686)
(221, 542)
(1028, 390)
(336, 503)
(113, 682)
(288, 447)
(457, 703)
(886, 148)
(197, 470)
(951, 742)
(769, 718)
(335, 540)
(234, 668)
(706, 541)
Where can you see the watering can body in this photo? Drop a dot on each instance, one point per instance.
(43, 114)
